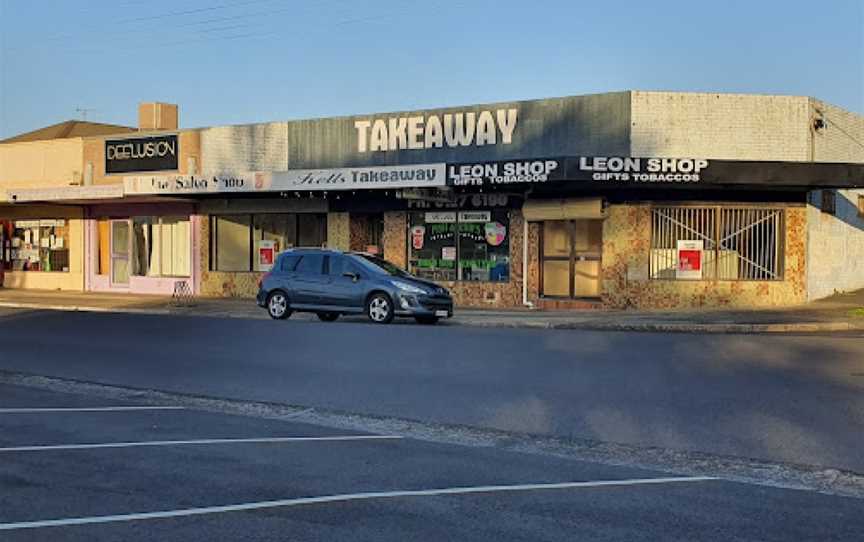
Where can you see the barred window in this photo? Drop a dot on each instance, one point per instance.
(717, 243)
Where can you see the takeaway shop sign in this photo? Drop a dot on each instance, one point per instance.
(415, 176)
(425, 175)
(141, 154)
(460, 129)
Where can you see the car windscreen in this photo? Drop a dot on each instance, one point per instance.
(379, 265)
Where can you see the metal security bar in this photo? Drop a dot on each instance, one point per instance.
(739, 243)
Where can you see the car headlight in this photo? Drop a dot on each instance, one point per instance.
(405, 287)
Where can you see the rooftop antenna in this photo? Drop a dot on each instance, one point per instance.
(83, 112)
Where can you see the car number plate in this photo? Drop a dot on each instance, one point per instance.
(442, 314)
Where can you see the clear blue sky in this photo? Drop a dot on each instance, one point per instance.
(237, 61)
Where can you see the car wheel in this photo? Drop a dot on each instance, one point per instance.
(277, 305)
(426, 320)
(328, 316)
(379, 309)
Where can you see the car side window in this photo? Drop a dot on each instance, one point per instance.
(348, 266)
(336, 265)
(288, 263)
(310, 264)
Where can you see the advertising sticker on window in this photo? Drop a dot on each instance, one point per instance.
(689, 260)
(266, 254)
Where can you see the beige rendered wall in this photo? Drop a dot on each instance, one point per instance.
(836, 242)
(38, 164)
(71, 280)
(719, 126)
(625, 282)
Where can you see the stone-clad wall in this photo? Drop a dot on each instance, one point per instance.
(625, 282)
(338, 231)
(396, 237)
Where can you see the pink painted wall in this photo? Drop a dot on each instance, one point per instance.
(140, 285)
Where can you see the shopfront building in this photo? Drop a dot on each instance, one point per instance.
(619, 200)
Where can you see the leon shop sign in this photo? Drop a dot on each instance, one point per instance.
(422, 175)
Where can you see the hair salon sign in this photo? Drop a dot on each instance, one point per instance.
(157, 153)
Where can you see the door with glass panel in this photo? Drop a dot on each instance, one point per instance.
(120, 252)
(570, 257)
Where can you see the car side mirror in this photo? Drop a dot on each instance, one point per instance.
(353, 276)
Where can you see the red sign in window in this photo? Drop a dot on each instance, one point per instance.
(689, 260)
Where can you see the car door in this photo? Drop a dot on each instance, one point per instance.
(345, 292)
(308, 282)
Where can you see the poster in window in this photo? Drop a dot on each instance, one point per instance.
(495, 233)
(448, 253)
(689, 260)
(418, 235)
(266, 254)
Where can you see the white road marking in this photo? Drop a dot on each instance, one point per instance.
(264, 440)
(342, 498)
(87, 409)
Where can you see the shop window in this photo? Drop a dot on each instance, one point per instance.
(160, 246)
(36, 245)
(717, 243)
(460, 245)
(312, 230)
(235, 240)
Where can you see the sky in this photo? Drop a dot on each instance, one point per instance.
(243, 61)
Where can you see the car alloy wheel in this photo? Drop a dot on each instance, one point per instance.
(277, 306)
(379, 309)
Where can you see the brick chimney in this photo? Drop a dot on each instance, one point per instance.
(154, 116)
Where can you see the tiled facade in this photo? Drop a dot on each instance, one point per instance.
(338, 231)
(396, 238)
(625, 275)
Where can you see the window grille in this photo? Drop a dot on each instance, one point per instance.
(739, 243)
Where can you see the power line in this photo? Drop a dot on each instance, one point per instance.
(249, 35)
(134, 20)
(188, 24)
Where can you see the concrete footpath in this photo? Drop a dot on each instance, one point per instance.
(842, 312)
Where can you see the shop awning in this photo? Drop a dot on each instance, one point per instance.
(562, 209)
(65, 193)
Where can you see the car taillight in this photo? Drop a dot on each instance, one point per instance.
(262, 278)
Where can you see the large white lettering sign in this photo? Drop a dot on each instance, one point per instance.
(436, 131)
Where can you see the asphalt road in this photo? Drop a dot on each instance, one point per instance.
(781, 398)
(118, 484)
